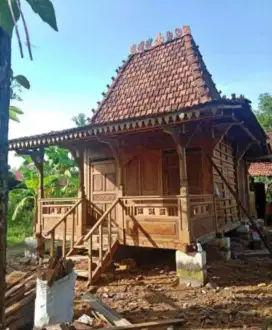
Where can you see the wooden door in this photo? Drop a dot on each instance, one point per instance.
(102, 185)
(151, 174)
(171, 181)
(143, 174)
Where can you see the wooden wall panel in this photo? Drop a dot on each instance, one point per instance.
(143, 172)
(226, 207)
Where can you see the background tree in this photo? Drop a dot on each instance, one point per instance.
(10, 12)
(80, 120)
(264, 112)
(17, 82)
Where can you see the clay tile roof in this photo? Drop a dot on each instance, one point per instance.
(162, 78)
(262, 169)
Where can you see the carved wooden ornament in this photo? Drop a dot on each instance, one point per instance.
(159, 39)
(169, 35)
(141, 47)
(148, 43)
(133, 49)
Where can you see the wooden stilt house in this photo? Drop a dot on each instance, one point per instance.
(146, 158)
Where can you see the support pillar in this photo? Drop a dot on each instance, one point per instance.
(184, 207)
(78, 155)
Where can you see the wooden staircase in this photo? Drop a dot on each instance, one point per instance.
(101, 242)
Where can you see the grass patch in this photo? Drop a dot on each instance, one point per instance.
(17, 234)
(21, 228)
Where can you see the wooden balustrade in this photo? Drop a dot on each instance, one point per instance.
(67, 220)
(202, 215)
(151, 206)
(106, 242)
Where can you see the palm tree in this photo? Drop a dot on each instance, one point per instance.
(10, 12)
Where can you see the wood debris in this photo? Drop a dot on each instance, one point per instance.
(56, 269)
(20, 297)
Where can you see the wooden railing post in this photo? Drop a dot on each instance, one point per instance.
(90, 251)
(73, 230)
(64, 237)
(52, 244)
(100, 244)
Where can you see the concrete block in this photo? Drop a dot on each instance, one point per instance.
(191, 268)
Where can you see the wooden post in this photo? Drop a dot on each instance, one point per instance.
(78, 155)
(185, 225)
(116, 151)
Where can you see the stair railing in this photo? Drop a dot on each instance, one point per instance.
(63, 220)
(103, 258)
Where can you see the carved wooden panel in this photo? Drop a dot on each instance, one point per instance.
(103, 187)
(104, 197)
(146, 228)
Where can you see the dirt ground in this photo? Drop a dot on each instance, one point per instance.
(238, 296)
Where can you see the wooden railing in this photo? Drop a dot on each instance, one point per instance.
(202, 215)
(51, 210)
(106, 245)
(151, 206)
(61, 225)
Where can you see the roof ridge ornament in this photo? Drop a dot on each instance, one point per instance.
(144, 46)
(159, 39)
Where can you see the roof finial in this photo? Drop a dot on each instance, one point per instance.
(178, 33)
(169, 35)
(141, 47)
(159, 39)
(148, 43)
(133, 49)
(186, 30)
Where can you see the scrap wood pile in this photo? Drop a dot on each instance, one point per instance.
(56, 269)
(21, 290)
(19, 297)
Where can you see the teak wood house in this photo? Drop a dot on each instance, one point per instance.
(146, 158)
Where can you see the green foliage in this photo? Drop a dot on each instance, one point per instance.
(13, 111)
(22, 81)
(80, 120)
(60, 180)
(264, 112)
(6, 20)
(267, 180)
(16, 83)
(45, 9)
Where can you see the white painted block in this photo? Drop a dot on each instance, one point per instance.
(192, 260)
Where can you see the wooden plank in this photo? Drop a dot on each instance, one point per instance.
(148, 325)
(112, 316)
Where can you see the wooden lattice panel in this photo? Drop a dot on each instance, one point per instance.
(226, 206)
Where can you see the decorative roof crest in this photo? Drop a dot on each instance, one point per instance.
(159, 39)
(179, 32)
